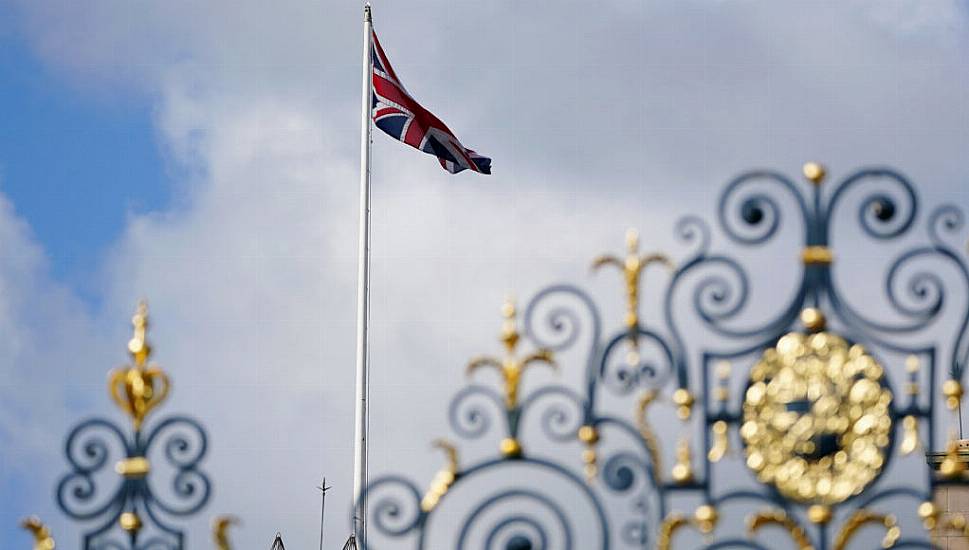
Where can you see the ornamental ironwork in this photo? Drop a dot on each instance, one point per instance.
(787, 425)
(134, 511)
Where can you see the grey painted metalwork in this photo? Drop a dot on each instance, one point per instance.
(711, 289)
(183, 444)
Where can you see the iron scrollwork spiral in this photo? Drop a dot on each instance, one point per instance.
(514, 517)
(129, 486)
(178, 442)
(792, 355)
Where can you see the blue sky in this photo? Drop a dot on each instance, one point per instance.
(74, 164)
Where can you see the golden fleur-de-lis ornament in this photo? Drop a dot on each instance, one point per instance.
(511, 367)
(632, 267)
(140, 387)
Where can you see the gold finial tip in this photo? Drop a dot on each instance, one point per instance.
(508, 307)
(138, 388)
(509, 329)
(141, 313)
(138, 345)
(814, 172)
(632, 239)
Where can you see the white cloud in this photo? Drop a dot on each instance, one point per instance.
(45, 330)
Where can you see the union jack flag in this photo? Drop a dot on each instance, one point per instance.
(395, 112)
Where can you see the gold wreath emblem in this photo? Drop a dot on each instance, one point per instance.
(817, 418)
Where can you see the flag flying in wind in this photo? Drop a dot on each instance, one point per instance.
(395, 112)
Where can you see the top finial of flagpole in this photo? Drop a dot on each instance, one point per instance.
(366, 13)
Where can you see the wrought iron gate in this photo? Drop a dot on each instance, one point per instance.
(791, 422)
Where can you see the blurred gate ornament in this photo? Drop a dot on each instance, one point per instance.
(43, 540)
(819, 395)
(133, 513)
(816, 418)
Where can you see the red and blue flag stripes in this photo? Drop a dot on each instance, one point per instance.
(396, 113)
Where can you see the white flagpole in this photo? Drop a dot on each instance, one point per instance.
(363, 289)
